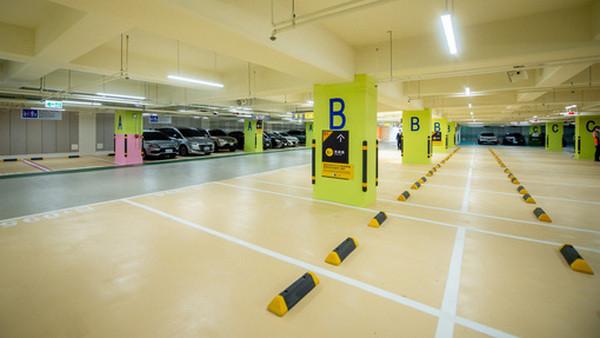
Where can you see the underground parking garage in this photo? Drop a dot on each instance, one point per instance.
(304, 168)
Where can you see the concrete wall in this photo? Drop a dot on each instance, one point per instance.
(18, 136)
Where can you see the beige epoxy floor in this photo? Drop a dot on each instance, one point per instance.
(119, 270)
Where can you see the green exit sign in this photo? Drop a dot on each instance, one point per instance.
(53, 104)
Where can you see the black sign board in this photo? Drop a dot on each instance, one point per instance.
(436, 136)
(335, 146)
(259, 124)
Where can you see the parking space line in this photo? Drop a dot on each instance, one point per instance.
(412, 218)
(467, 194)
(445, 328)
(324, 272)
(500, 218)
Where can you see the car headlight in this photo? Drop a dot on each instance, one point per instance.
(195, 146)
(221, 142)
(154, 146)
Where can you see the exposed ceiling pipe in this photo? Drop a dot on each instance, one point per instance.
(297, 20)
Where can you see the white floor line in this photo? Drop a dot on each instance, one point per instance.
(445, 328)
(541, 197)
(500, 218)
(412, 218)
(467, 194)
(144, 194)
(318, 270)
(495, 178)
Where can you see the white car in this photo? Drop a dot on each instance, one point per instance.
(487, 138)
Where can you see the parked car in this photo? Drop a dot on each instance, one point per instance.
(267, 142)
(513, 139)
(158, 145)
(299, 134)
(222, 141)
(191, 141)
(487, 138)
(277, 142)
(239, 137)
(291, 140)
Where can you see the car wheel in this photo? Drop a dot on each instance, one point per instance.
(183, 151)
(232, 149)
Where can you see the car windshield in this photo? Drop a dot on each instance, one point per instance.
(513, 134)
(487, 134)
(217, 132)
(155, 136)
(170, 132)
(189, 132)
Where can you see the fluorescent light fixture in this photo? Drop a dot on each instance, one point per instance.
(470, 105)
(449, 32)
(571, 106)
(195, 81)
(467, 91)
(82, 103)
(471, 113)
(122, 96)
(310, 102)
(49, 109)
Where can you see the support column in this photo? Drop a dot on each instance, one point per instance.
(128, 137)
(344, 160)
(584, 140)
(439, 136)
(416, 132)
(253, 136)
(309, 133)
(87, 133)
(554, 136)
(451, 134)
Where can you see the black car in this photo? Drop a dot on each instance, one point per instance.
(267, 142)
(277, 141)
(515, 139)
(299, 134)
(239, 136)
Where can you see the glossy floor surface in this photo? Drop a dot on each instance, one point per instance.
(463, 257)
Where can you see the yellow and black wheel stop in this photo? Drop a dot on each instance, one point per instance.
(429, 173)
(404, 196)
(337, 256)
(378, 220)
(542, 215)
(434, 169)
(521, 189)
(528, 199)
(289, 297)
(422, 180)
(507, 171)
(574, 259)
(415, 186)
(438, 166)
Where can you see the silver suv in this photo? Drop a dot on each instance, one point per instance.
(191, 141)
(487, 138)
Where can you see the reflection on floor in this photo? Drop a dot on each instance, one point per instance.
(53, 164)
(463, 257)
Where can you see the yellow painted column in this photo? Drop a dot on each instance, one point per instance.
(253, 136)
(584, 141)
(451, 134)
(344, 159)
(416, 132)
(309, 133)
(554, 136)
(439, 136)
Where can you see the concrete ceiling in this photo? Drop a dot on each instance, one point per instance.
(555, 43)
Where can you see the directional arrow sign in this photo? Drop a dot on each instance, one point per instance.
(341, 138)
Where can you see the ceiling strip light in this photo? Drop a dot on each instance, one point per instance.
(82, 103)
(449, 32)
(132, 97)
(467, 91)
(190, 80)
